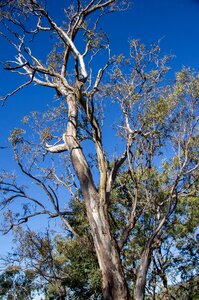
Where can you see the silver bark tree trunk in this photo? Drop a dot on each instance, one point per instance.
(139, 291)
(113, 279)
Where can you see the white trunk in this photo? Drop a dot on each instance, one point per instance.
(139, 291)
(113, 280)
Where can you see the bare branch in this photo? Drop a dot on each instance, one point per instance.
(18, 88)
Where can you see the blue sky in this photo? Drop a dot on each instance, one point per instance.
(174, 22)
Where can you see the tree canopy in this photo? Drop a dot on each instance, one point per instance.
(123, 211)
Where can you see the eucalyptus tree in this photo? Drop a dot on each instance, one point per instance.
(17, 284)
(157, 129)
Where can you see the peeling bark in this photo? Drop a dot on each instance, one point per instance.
(113, 280)
(141, 274)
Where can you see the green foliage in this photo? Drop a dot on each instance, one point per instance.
(64, 266)
(146, 197)
(17, 283)
(84, 276)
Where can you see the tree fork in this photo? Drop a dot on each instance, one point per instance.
(113, 280)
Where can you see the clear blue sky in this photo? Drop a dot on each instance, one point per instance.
(176, 22)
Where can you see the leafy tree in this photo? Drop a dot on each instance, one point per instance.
(174, 270)
(69, 267)
(17, 284)
(134, 194)
(63, 267)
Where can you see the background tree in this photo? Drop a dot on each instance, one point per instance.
(134, 194)
(16, 283)
(64, 267)
(69, 267)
